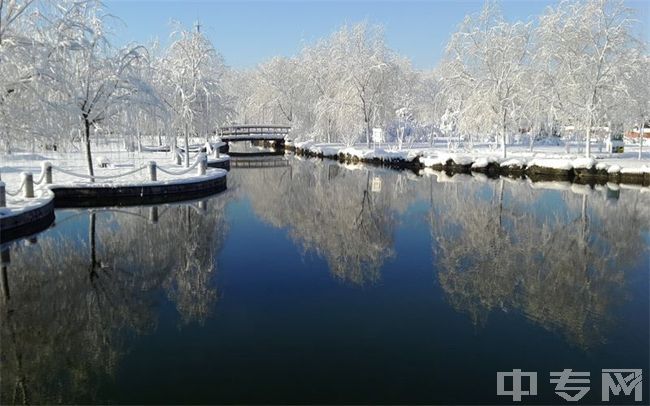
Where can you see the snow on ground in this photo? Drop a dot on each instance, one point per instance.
(18, 204)
(11, 167)
(549, 156)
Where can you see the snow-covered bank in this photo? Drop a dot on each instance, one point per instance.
(548, 161)
(71, 168)
(23, 216)
(385, 156)
(17, 205)
(122, 179)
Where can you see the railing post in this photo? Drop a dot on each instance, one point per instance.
(152, 171)
(203, 163)
(28, 180)
(215, 151)
(178, 157)
(47, 168)
(3, 197)
(153, 214)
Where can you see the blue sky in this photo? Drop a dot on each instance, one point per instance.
(248, 32)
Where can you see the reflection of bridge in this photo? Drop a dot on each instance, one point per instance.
(259, 163)
(254, 132)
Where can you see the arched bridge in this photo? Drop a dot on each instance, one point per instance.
(254, 132)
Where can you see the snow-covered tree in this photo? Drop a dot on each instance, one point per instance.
(586, 46)
(192, 73)
(637, 94)
(84, 77)
(365, 61)
(486, 60)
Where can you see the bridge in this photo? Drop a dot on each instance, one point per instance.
(254, 132)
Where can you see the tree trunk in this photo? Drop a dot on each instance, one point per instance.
(503, 135)
(89, 157)
(187, 147)
(588, 141)
(368, 132)
(641, 137)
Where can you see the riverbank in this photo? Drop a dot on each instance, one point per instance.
(544, 163)
(29, 193)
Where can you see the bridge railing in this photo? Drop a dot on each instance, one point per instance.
(245, 130)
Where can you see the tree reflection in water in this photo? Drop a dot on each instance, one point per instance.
(330, 211)
(562, 267)
(65, 320)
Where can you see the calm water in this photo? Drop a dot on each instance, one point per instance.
(317, 283)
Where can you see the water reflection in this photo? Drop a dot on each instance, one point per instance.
(557, 256)
(330, 211)
(70, 301)
(564, 266)
(76, 299)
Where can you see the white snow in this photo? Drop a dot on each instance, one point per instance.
(191, 177)
(483, 162)
(19, 204)
(551, 163)
(13, 165)
(513, 162)
(614, 169)
(360, 152)
(583, 163)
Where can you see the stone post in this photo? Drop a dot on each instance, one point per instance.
(47, 168)
(153, 214)
(203, 164)
(28, 179)
(152, 171)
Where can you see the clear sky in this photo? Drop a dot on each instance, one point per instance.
(248, 32)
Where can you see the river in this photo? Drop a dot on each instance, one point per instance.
(314, 282)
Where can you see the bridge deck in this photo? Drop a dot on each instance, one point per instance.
(253, 132)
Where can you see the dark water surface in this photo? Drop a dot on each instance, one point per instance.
(311, 282)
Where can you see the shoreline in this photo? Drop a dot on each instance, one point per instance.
(535, 170)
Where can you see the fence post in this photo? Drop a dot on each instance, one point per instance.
(3, 198)
(179, 160)
(28, 179)
(152, 171)
(203, 163)
(153, 214)
(47, 168)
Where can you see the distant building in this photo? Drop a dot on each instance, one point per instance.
(634, 134)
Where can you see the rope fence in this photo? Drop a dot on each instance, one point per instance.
(183, 172)
(83, 176)
(17, 192)
(28, 182)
